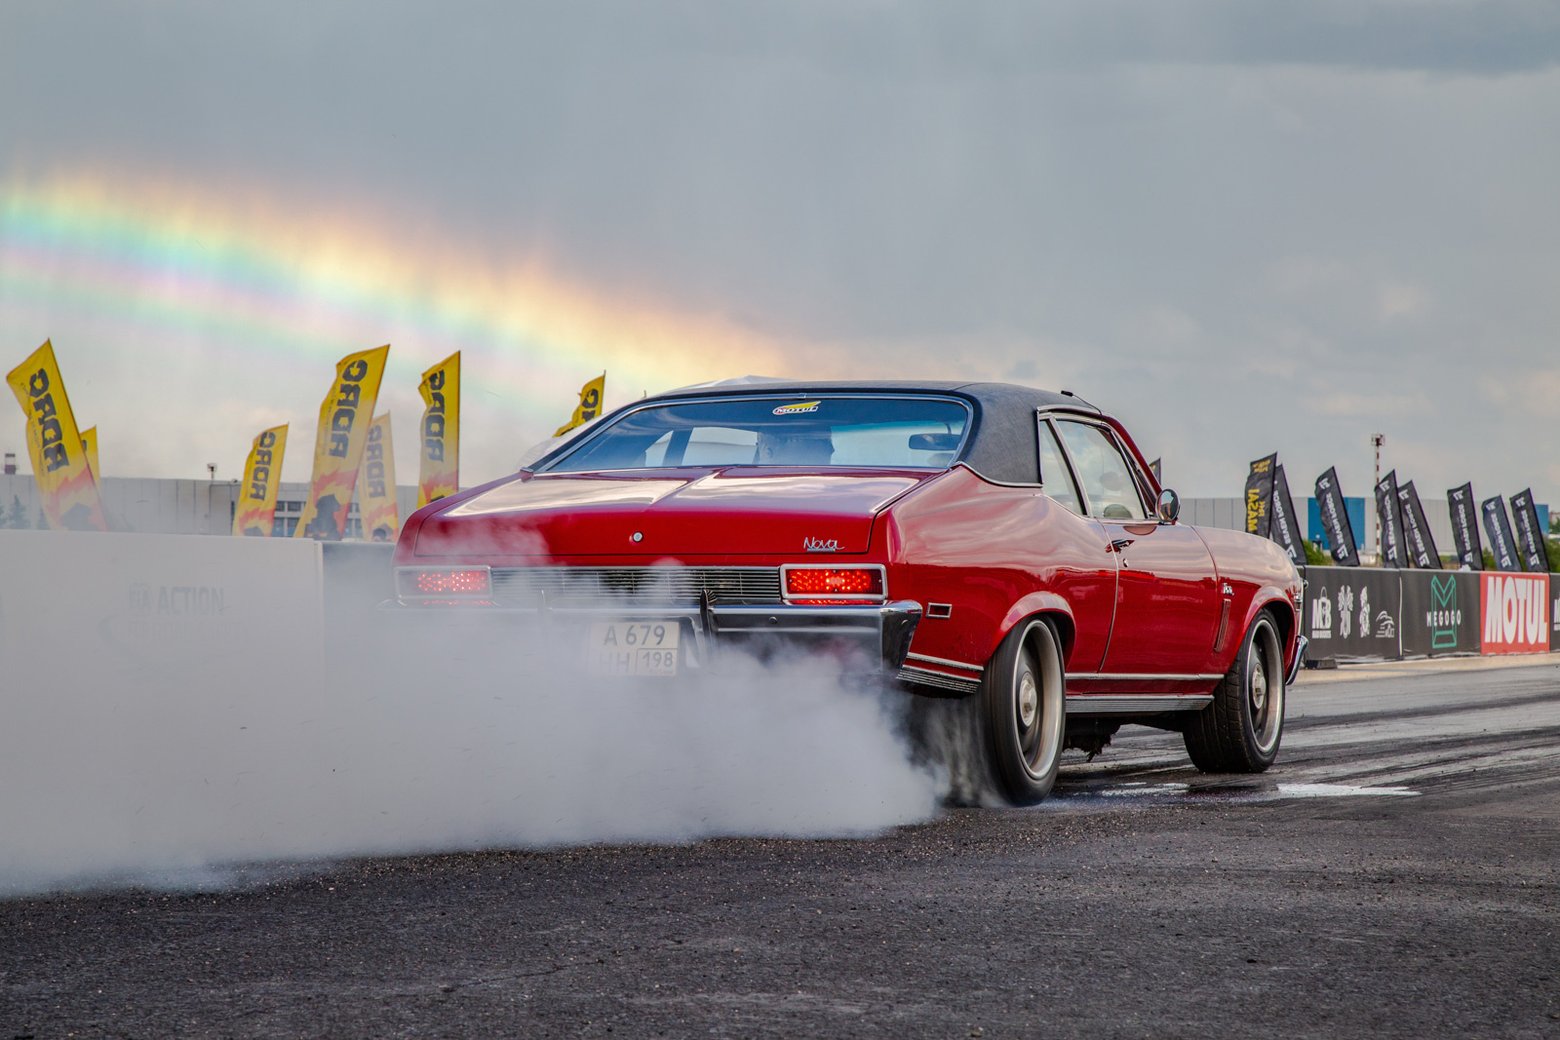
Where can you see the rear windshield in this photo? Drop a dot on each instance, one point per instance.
(898, 432)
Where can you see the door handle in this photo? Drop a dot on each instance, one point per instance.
(1119, 544)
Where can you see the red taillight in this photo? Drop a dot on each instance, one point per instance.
(446, 581)
(834, 582)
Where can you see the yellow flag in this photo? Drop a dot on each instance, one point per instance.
(345, 416)
(65, 481)
(590, 404)
(438, 469)
(376, 485)
(256, 510)
(89, 445)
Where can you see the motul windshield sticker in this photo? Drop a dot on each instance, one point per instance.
(800, 408)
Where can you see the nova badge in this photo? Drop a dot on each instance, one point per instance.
(820, 545)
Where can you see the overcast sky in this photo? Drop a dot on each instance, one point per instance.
(1242, 227)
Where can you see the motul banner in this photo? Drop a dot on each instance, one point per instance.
(438, 467)
(345, 416)
(376, 485)
(1465, 527)
(67, 488)
(1514, 612)
(1502, 545)
(1389, 521)
(1259, 495)
(1417, 538)
(589, 407)
(1335, 517)
(1529, 531)
(255, 513)
(1285, 528)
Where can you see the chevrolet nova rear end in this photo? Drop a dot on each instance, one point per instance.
(994, 545)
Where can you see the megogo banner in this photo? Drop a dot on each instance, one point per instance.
(589, 406)
(1353, 612)
(1340, 533)
(1259, 495)
(376, 485)
(1465, 527)
(345, 416)
(438, 468)
(1502, 545)
(255, 512)
(1514, 612)
(1285, 528)
(1530, 533)
(66, 485)
(1417, 539)
(1440, 613)
(1389, 521)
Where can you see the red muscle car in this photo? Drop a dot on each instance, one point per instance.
(981, 541)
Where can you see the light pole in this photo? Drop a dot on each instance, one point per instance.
(1377, 440)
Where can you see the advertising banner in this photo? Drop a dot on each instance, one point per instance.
(1259, 495)
(1554, 613)
(1502, 545)
(1389, 521)
(376, 485)
(589, 407)
(1529, 532)
(345, 416)
(1335, 517)
(1286, 525)
(438, 466)
(1514, 613)
(1417, 539)
(1440, 614)
(67, 487)
(255, 511)
(1353, 612)
(1465, 527)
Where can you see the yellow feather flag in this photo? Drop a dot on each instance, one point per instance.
(65, 482)
(590, 404)
(376, 485)
(255, 514)
(438, 468)
(89, 444)
(345, 416)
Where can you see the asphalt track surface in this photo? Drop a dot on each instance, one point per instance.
(1393, 876)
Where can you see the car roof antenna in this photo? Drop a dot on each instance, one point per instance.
(1075, 397)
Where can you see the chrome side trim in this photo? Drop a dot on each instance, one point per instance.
(945, 662)
(1133, 677)
(926, 677)
(1137, 704)
(1294, 667)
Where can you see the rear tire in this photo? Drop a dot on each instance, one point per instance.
(1023, 713)
(1240, 731)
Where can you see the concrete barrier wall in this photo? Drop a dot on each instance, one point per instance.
(1363, 613)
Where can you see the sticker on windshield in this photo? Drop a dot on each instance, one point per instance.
(800, 408)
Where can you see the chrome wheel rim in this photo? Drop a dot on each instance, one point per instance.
(1265, 688)
(1039, 699)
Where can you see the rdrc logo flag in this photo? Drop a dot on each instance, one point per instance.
(345, 416)
(438, 467)
(255, 513)
(1515, 613)
(66, 483)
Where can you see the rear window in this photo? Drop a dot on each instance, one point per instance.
(895, 432)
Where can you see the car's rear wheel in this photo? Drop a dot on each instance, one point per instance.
(1240, 731)
(1023, 712)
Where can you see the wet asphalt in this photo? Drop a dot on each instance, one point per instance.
(1395, 875)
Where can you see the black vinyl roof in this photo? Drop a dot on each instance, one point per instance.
(1002, 445)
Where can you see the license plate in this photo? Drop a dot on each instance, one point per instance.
(633, 647)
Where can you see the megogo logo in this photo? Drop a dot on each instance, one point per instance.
(348, 396)
(260, 478)
(1515, 611)
(51, 435)
(1444, 617)
(433, 419)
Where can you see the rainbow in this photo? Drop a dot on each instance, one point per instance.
(240, 284)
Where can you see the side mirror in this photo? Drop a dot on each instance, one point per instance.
(1169, 508)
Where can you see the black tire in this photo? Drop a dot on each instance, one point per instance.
(1023, 713)
(1240, 731)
